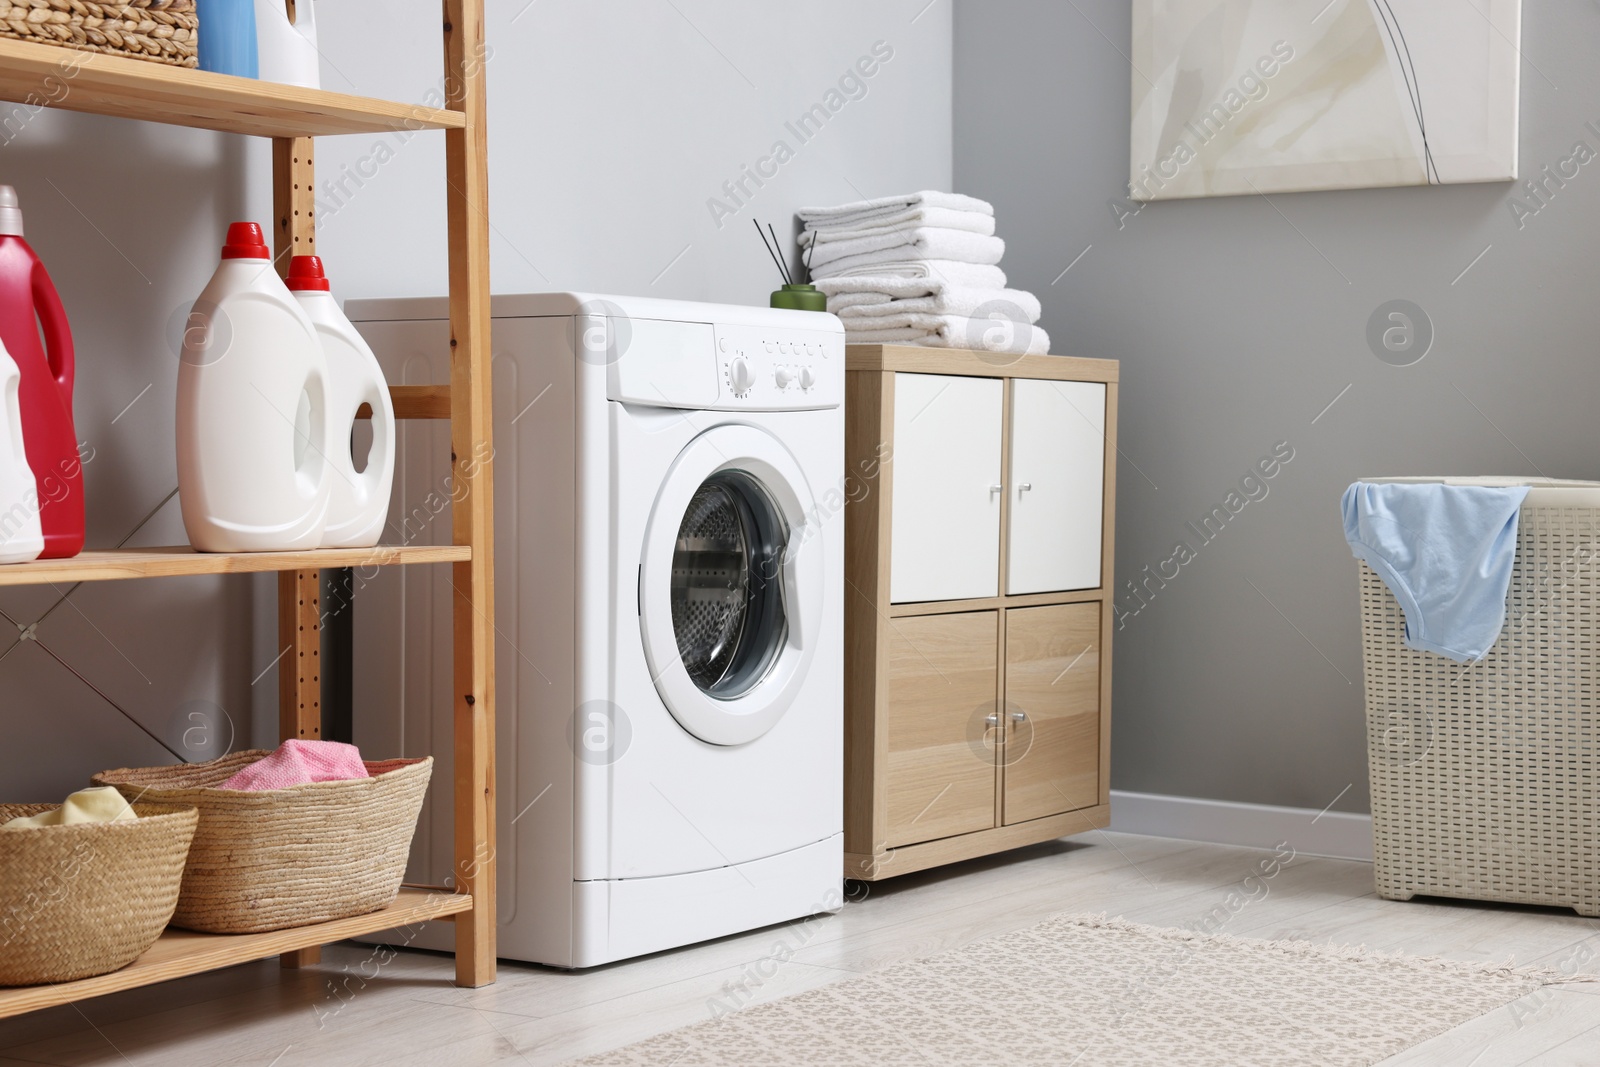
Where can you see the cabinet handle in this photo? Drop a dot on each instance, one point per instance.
(997, 489)
(1024, 487)
(992, 720)
(1019, 716)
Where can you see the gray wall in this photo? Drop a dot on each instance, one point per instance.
(1237, 321)
(611, 126)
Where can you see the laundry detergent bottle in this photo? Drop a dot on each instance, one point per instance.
(286, 43)
(33, 329)
(253, 473)
(358, 500)
(21, 535)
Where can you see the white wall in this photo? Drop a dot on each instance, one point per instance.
(611, 127)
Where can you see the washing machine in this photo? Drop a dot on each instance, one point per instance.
(669, 485)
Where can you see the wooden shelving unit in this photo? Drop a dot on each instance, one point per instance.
(44, 75)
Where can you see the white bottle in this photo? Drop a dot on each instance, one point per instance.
(253, 473)
(358, 501)
(21, 532)
(286, 51)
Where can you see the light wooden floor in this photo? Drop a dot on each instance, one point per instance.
(357, 1010)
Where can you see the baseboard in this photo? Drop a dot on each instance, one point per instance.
(1310, 833)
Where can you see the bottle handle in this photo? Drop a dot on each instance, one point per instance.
(313, 476)
(372, 479)
(57, 333)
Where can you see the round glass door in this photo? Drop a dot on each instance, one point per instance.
(727, 594)
(731, 585)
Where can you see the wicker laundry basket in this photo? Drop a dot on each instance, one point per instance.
(162, 31)
(286, 857)
(87, 899)
(1486, 776)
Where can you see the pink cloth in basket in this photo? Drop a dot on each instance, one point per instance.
(297, 762)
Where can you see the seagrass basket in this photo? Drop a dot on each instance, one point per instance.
(286, 857)
(87, 899)
(1486, 775)
(162, 31)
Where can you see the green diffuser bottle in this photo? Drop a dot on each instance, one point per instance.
(795, 296)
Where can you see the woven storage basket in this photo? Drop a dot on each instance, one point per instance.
(1486, 776)
(162, 31)
(286, 857)
(87, 899)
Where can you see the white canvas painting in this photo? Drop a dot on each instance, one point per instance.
(1244, 96)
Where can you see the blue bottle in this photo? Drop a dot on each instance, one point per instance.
(228, 36)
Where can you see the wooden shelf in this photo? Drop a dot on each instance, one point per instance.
(132, 88)
(173, 562)
(183, 952)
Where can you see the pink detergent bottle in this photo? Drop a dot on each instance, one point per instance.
(29, 307)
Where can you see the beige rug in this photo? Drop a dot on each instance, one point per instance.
(1087, 991)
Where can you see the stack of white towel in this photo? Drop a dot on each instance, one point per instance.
(920, 269)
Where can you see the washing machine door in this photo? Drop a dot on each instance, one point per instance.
(731, 585)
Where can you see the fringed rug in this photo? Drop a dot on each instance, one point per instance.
(1088, 991)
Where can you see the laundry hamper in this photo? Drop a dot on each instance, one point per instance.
(1486, 776)
(286, 857)
(87, 899)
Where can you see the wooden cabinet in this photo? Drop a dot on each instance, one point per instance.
(977, 621)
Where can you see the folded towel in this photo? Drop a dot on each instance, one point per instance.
(101, 804)
(1445, 552)
(299, 762)
(910, 219)
(1014, 304)
(866, 211)
(951, 331)
(925, 242)
(914, 277)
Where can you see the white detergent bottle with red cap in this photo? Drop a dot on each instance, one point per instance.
(21, 532)
(253, 472)
(358, 501)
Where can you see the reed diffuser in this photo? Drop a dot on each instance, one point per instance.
(797, 296)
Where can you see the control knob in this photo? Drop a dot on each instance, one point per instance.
(808, 378)
(740, 376)
(783, 376)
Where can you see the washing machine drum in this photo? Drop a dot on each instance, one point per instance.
(731, 585)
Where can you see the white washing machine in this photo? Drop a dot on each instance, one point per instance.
(669, 610)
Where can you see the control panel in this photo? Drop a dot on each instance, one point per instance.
(765, 369)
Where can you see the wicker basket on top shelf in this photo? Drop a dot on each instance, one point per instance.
(162, 31)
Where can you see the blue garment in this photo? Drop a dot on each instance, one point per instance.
(1445, 552)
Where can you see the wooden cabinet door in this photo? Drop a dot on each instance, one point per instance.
(1057, 486)
(941, 765)
(1052, 710)
(944, 527)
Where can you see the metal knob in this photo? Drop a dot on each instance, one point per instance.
(1019, 716)
(1024, 487)
(997, 489)
(993, 720)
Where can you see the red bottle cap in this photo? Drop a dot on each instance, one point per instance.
(305, 275)
(245, 241)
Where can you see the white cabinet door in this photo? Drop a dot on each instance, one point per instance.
(1058, 443)
(945, 518)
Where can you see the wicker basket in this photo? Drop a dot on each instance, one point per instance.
(162, 31)
(87, 899)
(286, 857)
(1486, 776)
